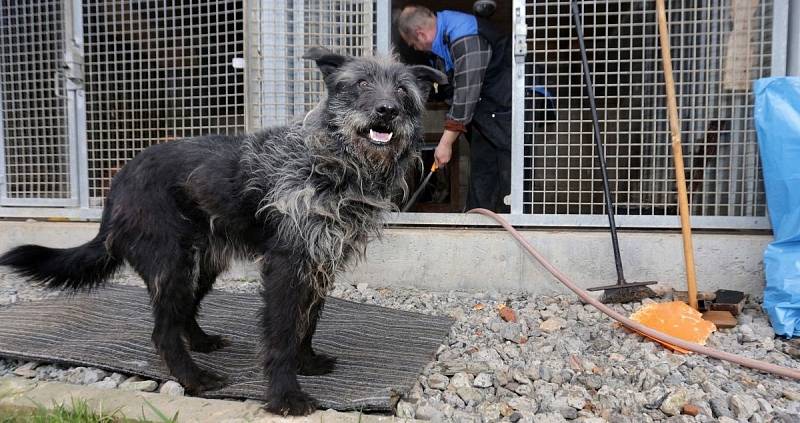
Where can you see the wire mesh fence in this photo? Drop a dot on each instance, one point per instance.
(34, 153)
(281, 84)
(718, 48)
(157, 71)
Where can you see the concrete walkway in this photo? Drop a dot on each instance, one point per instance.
(19, 394)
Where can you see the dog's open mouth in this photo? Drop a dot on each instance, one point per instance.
(379, 135)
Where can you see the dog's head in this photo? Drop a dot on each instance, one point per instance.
(374, 105)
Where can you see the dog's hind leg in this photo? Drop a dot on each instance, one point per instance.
(286, 306)
(197, 338)
(312, 363)
(173, 307)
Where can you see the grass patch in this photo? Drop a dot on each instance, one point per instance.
(77, 412)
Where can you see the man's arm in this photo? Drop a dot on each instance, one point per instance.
(471, 56)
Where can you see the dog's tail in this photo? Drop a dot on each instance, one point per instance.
(83, 267)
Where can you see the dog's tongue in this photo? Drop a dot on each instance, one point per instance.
(379, 136)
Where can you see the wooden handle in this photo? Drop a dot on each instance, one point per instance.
(677, 153)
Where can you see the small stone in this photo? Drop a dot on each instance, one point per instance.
(690, 409)
(460, 380)
(674, 402)
(550, 418)
(362, 287)
(568, 413)
(27, 370)
(523, 405)
(766, 407)
(591, 381)
(483, 380)
(470, 394)
(502, 377)
(502, 392)
(552, 324)
(406, 410)
(453, 399)
(118, 378)
(136, 384)
(523, 389)
(781, 417)
(172, 388)
(743, 406)
(577, 402)
(84, 376)
(426, 411)
(746, 334)
(519, 376)
(661, 369)
(793, 352)
(505, 409)
(463, 416)
(703, 407)
(791, 395)
(106, 383)
(490, 412)
(513, 333)
(719, 407)
(438, 381)
(506, 313)
(726, 419)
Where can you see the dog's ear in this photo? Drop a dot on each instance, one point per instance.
(327, 61)
(426, 77)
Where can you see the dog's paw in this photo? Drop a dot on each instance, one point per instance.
(316, 365)
(204, 381)
(209, 343)
(291, 403)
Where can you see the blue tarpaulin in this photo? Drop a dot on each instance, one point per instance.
(777, 116)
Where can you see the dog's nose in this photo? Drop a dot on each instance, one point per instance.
(386, 110)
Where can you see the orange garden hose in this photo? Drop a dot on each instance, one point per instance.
(636, 326)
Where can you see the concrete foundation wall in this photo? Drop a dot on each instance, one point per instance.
(489, 259)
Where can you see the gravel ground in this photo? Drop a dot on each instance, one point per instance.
(561, 360)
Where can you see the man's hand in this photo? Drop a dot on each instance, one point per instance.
(444, 151)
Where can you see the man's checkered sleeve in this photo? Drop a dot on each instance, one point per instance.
(471, 56)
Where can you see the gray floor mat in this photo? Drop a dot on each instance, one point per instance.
(380, 351)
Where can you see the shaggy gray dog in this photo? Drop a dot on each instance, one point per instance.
(302, 200)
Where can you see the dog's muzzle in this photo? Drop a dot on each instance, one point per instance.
(380, 131)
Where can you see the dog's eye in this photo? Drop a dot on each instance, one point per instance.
(401, 90)
(363, 84)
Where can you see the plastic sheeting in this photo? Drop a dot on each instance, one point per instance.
(777, 117)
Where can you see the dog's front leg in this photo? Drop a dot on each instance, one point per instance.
(284, 312)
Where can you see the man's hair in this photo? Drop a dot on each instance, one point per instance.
(412, 18)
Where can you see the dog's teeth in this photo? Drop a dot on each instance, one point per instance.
(380, 136)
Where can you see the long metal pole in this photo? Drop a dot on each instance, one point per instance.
(587, 78)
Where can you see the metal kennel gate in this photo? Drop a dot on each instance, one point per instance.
(718, 47)
(38, 158)
(85, 85)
